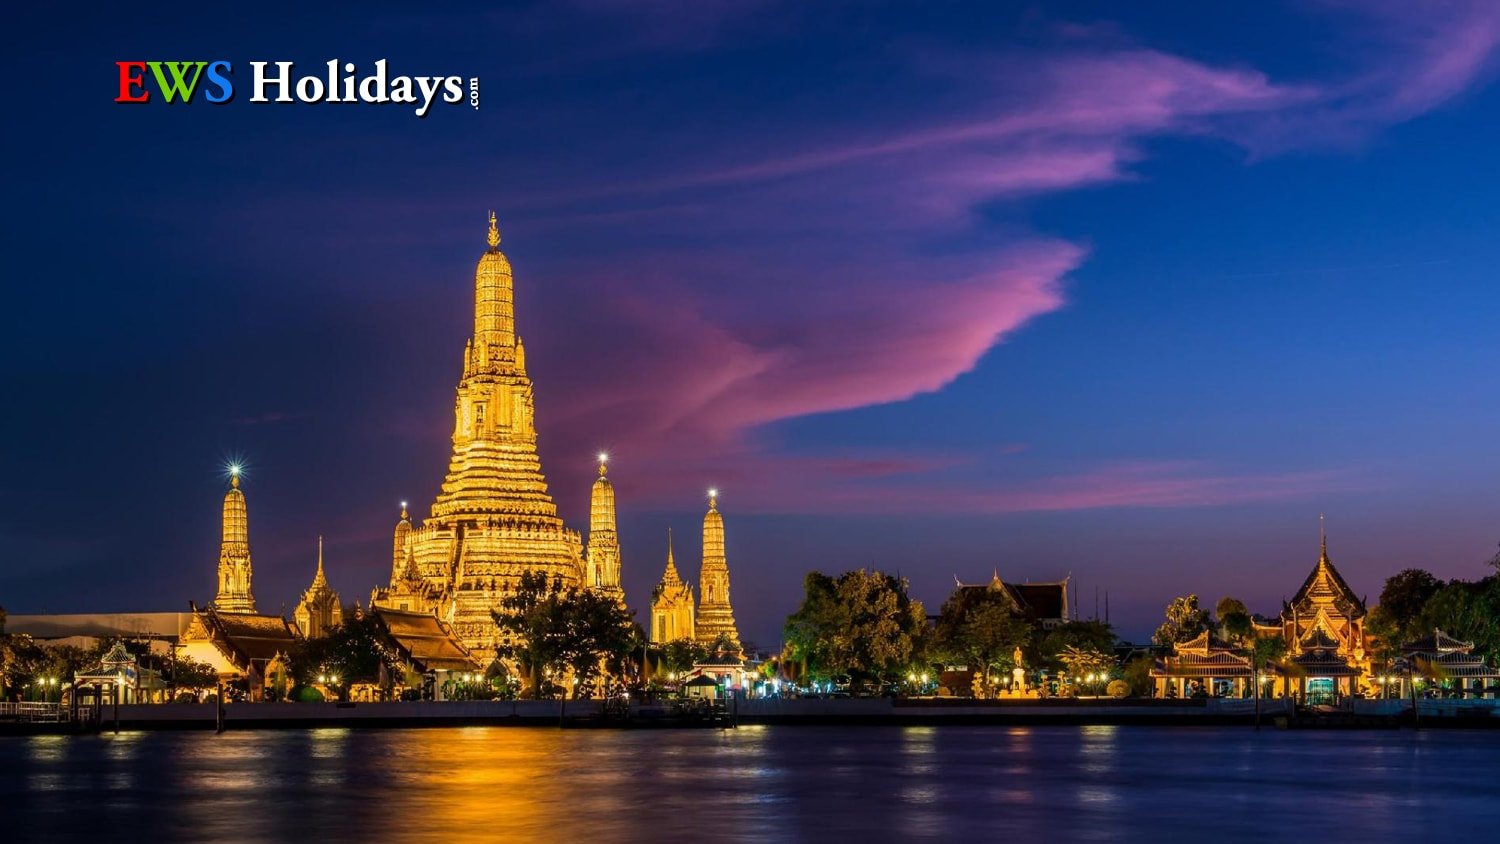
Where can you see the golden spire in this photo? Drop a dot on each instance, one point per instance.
(234, 551)
(602, 564)
(1322, 540)
(319, 579)
(715, 616)
(399, 542)
(670, 575)
(494, 235)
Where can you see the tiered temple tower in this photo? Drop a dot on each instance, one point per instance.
(671, 604)
(319, 610)
(715, 615)
(234, 552)
(493, 519)
(602, 562)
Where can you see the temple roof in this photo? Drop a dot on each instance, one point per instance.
(425, 641)
(1436, 642)
(245, 637)
(1035, 600)
(1324, 584)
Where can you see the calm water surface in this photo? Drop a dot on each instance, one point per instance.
(1065, 783)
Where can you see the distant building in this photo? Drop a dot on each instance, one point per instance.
(1044, 604)
(319, 611)
(672, 605)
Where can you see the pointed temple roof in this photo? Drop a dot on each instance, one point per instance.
(320, 581)
(1046, 600)
(669, 577)
(1325, 584)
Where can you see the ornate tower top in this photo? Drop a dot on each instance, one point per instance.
(715, 614)
(602, 565)
(234, 551)
(494, 235)
(670, 577)
(398, 546)
(320, 582)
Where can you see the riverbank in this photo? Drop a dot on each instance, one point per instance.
(783, 712)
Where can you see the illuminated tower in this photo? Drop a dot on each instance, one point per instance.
(671, 604)
(318, 612)
(234, 552)
(400, 549)
(602, 562)
(493, 520)
(715, 615)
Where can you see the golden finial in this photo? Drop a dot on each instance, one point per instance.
(713, 499)
(234, 475)
(403, 511)
(1322, 537)
(494, 232)
(603, 461)
(320, 555)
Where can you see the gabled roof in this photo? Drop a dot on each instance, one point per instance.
(425, 641)
(244, 637)
(1034, 600)
(1325, 583)
(1437, 642)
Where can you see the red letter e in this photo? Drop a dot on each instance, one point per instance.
(132, 75)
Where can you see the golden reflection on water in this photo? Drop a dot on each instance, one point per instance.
(488, 783)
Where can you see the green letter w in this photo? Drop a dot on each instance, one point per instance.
(179, 86)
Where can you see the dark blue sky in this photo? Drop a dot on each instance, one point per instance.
(1126, 291)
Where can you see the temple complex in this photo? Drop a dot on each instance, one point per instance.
(319, 610)
(1326, 655)
(672, 605)
(715, 616)
(494, 520)
(234, 552)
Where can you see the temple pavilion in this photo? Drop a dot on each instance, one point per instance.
(1326, 655)
(1449, 663)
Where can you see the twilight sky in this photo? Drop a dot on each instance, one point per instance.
(1127, 291)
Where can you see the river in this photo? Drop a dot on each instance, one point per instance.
(789, 783)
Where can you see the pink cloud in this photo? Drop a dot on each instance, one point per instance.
(811, 287)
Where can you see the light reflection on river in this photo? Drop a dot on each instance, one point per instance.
(1088, 783)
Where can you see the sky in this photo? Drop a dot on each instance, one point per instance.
(1127, 293)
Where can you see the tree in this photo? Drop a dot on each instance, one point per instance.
(352, 651)
(533, 628)
(189, 673)
(679, 656)
(1185, 621)
(600, 635)
(979, 628)
(1082, 663)
(1083, 635)
(1236, 627)
(548, 629)
(863, 623)
(1229, 606)
(1138, 675)
(1397, 618)
(1466, 610)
